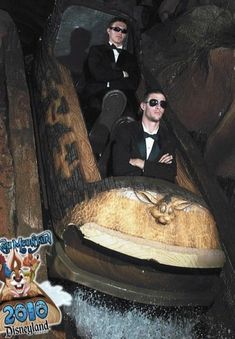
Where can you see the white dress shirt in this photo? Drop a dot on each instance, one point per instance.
(149, 141)
(116, 55)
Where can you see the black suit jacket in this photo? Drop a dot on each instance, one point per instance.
(130, 143)
(101, 68)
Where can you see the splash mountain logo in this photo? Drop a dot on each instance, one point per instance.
(25, 308)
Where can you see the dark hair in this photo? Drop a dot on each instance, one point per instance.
(150, 91)
(145, 97)
(117, 19)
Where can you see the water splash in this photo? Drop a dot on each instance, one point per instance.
(56, 293)
(96, 319)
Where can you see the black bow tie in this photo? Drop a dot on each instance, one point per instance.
(115, 47)
(153, 136)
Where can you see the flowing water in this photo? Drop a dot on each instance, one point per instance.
(100, 317)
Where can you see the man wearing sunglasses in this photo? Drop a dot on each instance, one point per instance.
(113, 76)
(145, 147)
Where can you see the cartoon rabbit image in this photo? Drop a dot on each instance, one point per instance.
(32, 262)
(17, 279)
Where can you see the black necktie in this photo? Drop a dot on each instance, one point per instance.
(153, 136)
(117, 49)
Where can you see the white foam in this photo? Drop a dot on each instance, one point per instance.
(56, 293)
(98, 321)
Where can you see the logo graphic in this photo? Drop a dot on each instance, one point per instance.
(25, 308)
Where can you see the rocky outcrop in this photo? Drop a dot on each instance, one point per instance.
(192, 59)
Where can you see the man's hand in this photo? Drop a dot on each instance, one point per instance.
(166, 158)
(137, 163)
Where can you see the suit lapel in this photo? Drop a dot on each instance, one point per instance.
(121, 58)
(155, 151)
(109, 53)
(140, 141)
(157, 146)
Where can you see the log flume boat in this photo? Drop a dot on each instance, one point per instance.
(136, 238)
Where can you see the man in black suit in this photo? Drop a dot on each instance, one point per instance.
(112, 77)
(145, 148)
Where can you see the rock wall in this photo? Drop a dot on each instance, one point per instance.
(192, 59)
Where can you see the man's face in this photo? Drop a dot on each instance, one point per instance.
(153, 113)
(117, 38)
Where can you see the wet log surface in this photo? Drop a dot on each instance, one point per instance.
(7, 182)
(20, 200)
(68, 161)
(132, 279)
(20, 194)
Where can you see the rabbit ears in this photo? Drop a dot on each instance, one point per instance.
(150, 198)
(12, 263)
(14, 260)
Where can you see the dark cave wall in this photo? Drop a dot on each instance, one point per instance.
(192, 59)
(30, 18)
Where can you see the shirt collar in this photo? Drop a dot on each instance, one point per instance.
(146, 130)
(111, 43)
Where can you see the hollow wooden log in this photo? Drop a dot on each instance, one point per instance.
(74, 186)
(20, 199)
(68, 161)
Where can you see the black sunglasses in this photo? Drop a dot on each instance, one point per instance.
(155, 102)
(119, 29)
